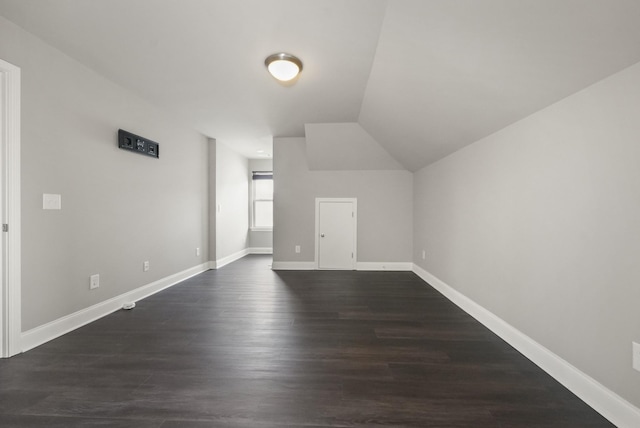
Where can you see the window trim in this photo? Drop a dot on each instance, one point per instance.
(255, 176)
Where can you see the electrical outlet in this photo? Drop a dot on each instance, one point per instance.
(197, 251)
(297, 248)
(636, 355)
(145, 266)
(424, 254)
(94, 281)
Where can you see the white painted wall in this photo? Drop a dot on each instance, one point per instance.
(385, 206)
(232, 193)
(118, 208)
(345, 146)
(539, 224)
(260, 238)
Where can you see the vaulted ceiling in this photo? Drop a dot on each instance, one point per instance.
(423, 78)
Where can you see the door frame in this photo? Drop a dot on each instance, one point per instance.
(354, 201)
(10, 284)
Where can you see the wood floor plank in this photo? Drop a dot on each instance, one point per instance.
(244, 346)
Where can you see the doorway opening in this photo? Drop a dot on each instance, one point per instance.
(10, 265)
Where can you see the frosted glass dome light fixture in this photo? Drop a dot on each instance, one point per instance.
(283, 66)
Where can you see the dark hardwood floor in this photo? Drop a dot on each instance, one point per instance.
(247, 347)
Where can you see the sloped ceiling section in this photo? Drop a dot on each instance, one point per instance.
(423, 77)
(203, 60)
(450, 72)
(345, 146)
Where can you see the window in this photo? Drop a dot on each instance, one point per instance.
(262, 200)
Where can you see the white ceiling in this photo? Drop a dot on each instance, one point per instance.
(422, 77)
(473, 67)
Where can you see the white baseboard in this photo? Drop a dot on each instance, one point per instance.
(44, 333)
(230, 258)
(381, 266)
(293, 266)
(217, 264)
(369, 266)
(260, 250)
(610, 405)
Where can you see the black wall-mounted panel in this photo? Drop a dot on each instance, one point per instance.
(138, 144)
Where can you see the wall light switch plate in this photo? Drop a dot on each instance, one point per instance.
(94, 281)
(297, 248)
(636, 355)
(145, 266)
(51, 201)
(197, 251)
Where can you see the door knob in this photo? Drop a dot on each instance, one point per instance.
(322, 235)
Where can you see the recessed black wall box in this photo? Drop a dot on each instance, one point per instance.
(135, 143)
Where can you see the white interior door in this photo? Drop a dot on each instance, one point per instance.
(336, 233)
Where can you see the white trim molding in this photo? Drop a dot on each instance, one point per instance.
(229, 259)
(382, 266)
(293, 266)
(610, 405)
(260, 250)
(362, 266)
(54, 329)
(261, 229)
(217, 264)
(10, 286)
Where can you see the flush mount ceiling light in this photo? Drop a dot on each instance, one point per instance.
(283, 66)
